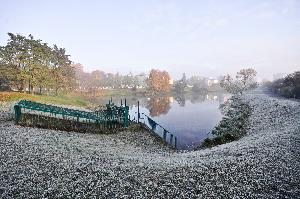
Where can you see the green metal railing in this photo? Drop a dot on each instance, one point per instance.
(112, 113)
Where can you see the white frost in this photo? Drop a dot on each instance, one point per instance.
(38, 163)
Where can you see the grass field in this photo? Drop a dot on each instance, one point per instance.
(60, 99)
(112, 92)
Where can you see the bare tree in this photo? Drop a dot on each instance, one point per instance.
(244, 80)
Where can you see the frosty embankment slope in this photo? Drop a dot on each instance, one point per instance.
(262, 164)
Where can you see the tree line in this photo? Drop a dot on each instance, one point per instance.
(29, 64)
(288, 86)
(156, 81)
(97, 80)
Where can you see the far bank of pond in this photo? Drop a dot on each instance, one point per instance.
(190, 117)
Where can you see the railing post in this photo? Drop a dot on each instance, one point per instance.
(171, 139)
(165, 134)
(17, 113)
(126, 108)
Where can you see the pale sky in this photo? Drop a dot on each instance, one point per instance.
(207, 38)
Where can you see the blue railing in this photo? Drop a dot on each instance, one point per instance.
(159, 130)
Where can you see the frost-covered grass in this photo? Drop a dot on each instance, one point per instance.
(232, 126)
(263, 164)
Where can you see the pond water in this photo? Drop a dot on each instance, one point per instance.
(188, 117)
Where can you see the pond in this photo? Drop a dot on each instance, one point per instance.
(190, 118)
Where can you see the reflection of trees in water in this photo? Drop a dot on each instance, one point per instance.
(220, 97)
(210, 96)
(197, 98)
(130, 100)
(180, 98)
(158, 106)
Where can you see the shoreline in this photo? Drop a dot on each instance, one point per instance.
(263, 163)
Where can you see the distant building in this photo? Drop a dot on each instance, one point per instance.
(279, 76)
(211, 81)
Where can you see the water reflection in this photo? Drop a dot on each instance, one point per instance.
(180, 98)
(189, 117)
(158, 106)
(196, 98)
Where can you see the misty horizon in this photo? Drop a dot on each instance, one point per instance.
(197, 38)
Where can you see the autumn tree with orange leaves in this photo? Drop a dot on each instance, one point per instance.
(159, 81)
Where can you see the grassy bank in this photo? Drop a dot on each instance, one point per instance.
(140, 92)
(111, 92)
(233, 124)
(69, 99)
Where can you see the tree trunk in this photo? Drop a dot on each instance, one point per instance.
(29, 87)
(20, 87)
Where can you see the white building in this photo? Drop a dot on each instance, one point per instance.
(211, 81)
